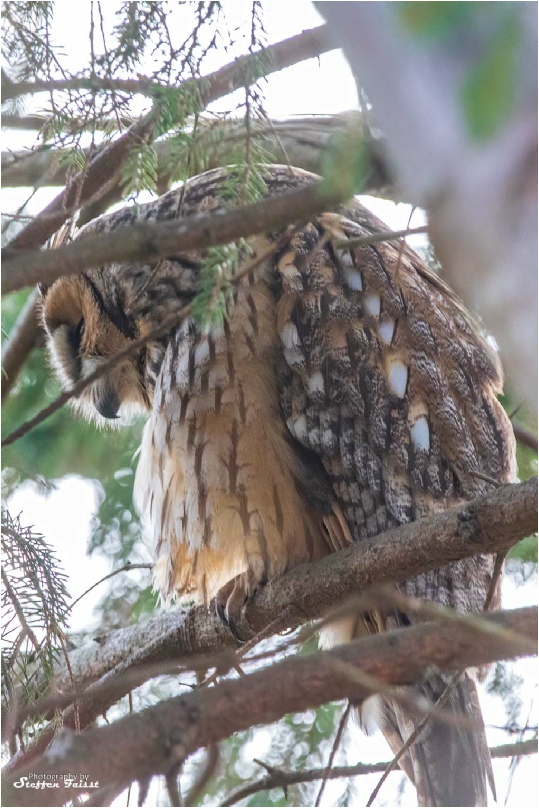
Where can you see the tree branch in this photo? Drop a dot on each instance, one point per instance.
(492, 523)
(525, 436)
(158, 738)
(146, 242)
(104, 169)
(280, 778)
(34, 123)
(93, 84)
(302, 141)
(21, 340)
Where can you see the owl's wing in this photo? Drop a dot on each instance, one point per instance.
(394, 388)
(392, 385)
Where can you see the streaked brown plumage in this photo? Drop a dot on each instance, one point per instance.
(347, 392)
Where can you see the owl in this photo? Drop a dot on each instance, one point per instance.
(345, 390)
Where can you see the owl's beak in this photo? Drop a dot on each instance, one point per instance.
(108, 403)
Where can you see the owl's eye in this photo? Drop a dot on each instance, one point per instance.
(79, 333)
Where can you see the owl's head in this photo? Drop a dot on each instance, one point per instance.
(85, 326)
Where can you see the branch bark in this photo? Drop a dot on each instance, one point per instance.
(159, 738)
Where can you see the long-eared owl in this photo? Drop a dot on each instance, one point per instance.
(346, 391)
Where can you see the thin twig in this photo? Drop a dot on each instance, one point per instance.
(76, 712)
(486, 478)
(126, 568)
(268, 631)
(496, 574)
(94, 83)
(208, 770)
(280, 778)
(173, 788)
(167, 325)
(334, 748)
(402, 244)
(19, 612)
(374, 685)
(412, 738)
(374, 238)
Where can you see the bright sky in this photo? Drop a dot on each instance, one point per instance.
(64, 516)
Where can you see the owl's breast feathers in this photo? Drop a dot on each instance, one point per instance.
(348, 392)
(224, 488)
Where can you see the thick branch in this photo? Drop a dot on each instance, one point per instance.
(145, 242)
(104, 169)
(492, 523)
(302, 141)
(158, 738)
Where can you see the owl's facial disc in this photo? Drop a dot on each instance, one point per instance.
(82, 336)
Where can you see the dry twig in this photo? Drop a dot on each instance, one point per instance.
(280, 778)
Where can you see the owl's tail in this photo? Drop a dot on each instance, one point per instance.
(449, 763)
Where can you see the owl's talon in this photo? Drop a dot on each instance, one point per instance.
(222, 613)
(231, 599)
(233, 628)
(220, 610)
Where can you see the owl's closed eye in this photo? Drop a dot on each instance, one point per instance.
(82, 335)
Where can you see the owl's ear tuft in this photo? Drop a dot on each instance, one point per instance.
(42, 289)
